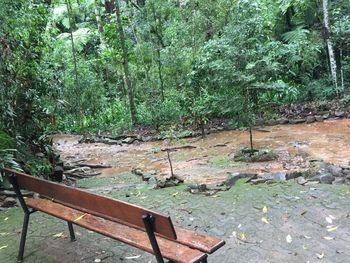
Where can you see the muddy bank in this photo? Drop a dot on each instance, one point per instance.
(210, 160)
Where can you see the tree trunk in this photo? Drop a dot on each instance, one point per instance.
(76, 79)
(332, 61)
(129, 85)
(99, 23)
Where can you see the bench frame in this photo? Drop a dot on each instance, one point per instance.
(147, 219)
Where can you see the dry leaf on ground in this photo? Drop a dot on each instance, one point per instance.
(264, 220)
(289, 238)
(320, 256)
(264, 210)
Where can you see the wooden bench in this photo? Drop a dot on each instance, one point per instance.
(128, 223)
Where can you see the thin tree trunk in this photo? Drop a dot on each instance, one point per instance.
(76, 77)
(126, 64)
(99, 24)
(332, 61)
(159, 45)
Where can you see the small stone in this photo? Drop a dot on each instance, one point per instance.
(146, 138)
(296, 121)
(310, 119)
(301, 180)
(293, 175)
(129, 140)
(283, 121)
(326, 116)
(339, 180)
(147, 176)
(339, 113)
(9, 202)
(326, 178)
(319, 118)
(137, 171)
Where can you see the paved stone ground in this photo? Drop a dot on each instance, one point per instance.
(235, 216)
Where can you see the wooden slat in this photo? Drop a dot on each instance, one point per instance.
(171, 250)
(95, 204)
(207, 244)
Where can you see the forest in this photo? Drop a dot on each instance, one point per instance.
(90, 66)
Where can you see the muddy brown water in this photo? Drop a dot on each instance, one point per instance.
(211, 159)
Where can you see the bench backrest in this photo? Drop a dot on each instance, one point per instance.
(95, 204)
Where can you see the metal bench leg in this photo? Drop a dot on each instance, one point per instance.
(71, 231)
(148, 221)
(23, 237)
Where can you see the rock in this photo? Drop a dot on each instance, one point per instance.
(339, 180)
(146, 138)
(326, 116)
(339, 113)
(335, 170)
(326, 178)
(129, 140)
(152, 183)
(319, 118)
(283, 121)
(9, 202)
(301, 180)
(147, 176)
(310, 119)
(272, 122)
(293, 175)
(296, 121)
(137, 171)
(280, 176)
(232, 178)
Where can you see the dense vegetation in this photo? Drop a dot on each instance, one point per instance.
(110, 65)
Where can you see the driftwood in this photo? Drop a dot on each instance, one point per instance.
(173, 149)
(94, 165)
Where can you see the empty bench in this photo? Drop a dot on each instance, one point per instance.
(128, 223)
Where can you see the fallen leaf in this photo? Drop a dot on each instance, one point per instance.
(304, 247)
(307, 237)
(331, 217)
(133, 257)
(320, 256)
(3, 247)
(332, 228)
(289, 238)
(80, 217)
(264, 220)
(175, 194)
(97, 260)
(6, 219)
(242, 236)
(264, 210)
(328, 238)
(329, 220)
(239, 226)
(58, 235)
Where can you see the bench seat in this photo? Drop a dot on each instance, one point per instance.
(171, 250)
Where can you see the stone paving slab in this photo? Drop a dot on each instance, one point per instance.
(298, 211)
